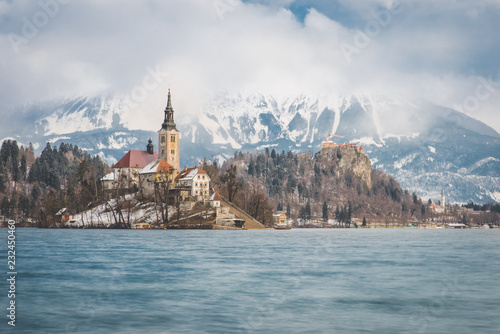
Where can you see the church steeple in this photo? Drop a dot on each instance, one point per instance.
(168, 122)
(168, 137)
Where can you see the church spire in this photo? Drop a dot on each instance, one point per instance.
(168, 122)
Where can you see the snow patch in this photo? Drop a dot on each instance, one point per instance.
(404, 161)
(495, 195)
(367, 141)
(432, 149)
(53, 140)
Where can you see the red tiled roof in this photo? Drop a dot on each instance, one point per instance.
(216, 197)
(136, 159)
(157, 166)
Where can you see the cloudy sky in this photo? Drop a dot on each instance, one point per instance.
(445, 51)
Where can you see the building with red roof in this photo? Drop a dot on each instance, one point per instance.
(215, 200)
(126, 171)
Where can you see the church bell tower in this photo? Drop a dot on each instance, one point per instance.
(168, 137)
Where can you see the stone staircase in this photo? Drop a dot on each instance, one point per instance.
(250, 222)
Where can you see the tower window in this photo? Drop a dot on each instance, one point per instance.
(162, 139)
(172, 138)
(172, 152)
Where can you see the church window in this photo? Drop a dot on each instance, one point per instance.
(172, 138)
(172, 152)
(162, 139)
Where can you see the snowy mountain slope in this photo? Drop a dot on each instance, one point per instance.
(425, 146)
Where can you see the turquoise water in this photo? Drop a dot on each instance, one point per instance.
(296, 281)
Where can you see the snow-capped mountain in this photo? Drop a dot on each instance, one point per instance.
(425, 146)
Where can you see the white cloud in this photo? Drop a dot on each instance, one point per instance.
(90, 47)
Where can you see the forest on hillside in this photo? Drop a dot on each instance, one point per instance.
(311, 187)
(34, 189)
(304, 186)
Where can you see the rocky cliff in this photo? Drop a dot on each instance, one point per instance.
(347, 157)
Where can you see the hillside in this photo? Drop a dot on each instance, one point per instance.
(340, 179)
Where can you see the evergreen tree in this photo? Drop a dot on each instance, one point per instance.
(308, 210)
(24, 166)
(288, 210)
(325, 212)
(251, 167)
(364, 222)
(349, 212)
(3, 178)
(5, 207)
(35, 192)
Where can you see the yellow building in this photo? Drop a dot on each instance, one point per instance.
(279, 218)
(168, 137)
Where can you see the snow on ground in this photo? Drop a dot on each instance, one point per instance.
(102, 215)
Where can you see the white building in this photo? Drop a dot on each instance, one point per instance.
(197, 180)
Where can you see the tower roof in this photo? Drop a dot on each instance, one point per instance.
(168, 121)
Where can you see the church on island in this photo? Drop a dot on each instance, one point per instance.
(157, 176)
(147, 171)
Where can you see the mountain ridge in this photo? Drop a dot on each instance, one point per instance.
(427, 147)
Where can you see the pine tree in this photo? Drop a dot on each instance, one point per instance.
(3, 179)
(308, 210)
(325, 212)
(251, 167)
(24, 166)
(5, 206)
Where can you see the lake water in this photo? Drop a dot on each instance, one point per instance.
(296, 281)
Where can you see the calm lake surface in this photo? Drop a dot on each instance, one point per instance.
(296, 281)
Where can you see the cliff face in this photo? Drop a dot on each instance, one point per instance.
(347, 157)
